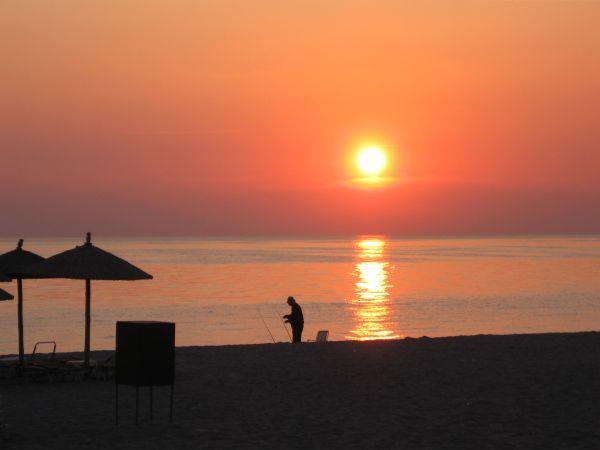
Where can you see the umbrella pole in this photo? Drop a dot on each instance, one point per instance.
(87, 322)
(20, 317)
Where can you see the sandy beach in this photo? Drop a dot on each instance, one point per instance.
(517, 391)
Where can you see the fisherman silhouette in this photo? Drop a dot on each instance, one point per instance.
(296, 320)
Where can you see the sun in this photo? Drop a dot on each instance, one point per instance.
(371, 161)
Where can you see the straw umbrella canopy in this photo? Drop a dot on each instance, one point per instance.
(14, 264)
(87, 262)
(5, 295)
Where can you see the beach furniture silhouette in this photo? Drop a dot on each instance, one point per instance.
(87, 262)
(35, 347)
(48, 366)
(14, 264)
(42, 366)
(31, 360)
(322, 336)
(104, 370)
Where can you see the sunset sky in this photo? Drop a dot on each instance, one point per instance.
(244, 117)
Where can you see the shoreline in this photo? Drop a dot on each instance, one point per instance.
(482, 391)
(356, 341)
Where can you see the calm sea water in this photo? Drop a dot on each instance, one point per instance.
(363, 288)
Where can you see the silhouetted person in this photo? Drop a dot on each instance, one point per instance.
(295, 319)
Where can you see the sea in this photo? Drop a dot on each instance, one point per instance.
(234, 290)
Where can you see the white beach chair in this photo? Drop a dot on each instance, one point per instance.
(322, 336)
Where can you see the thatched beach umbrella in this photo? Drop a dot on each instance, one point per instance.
(5, 295)
(14, 264)
(87, 262)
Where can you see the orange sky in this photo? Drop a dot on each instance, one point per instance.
(238, 117)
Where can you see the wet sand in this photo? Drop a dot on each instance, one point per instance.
(519, 391)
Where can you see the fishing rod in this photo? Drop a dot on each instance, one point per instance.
(265, 324)
(283, 323)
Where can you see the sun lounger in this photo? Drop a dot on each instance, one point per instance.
(322, 336)
(50, 367)
(51, 355)
(35, 366)
(104, 370)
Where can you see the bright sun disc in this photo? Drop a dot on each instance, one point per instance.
(371, 161)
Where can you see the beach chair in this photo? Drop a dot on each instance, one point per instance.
(40, 367)
(51, 355)
(104, 370)
(50, 367)
(10, 367)
(322, 336)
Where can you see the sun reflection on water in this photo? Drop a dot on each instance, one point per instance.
(371, 302)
